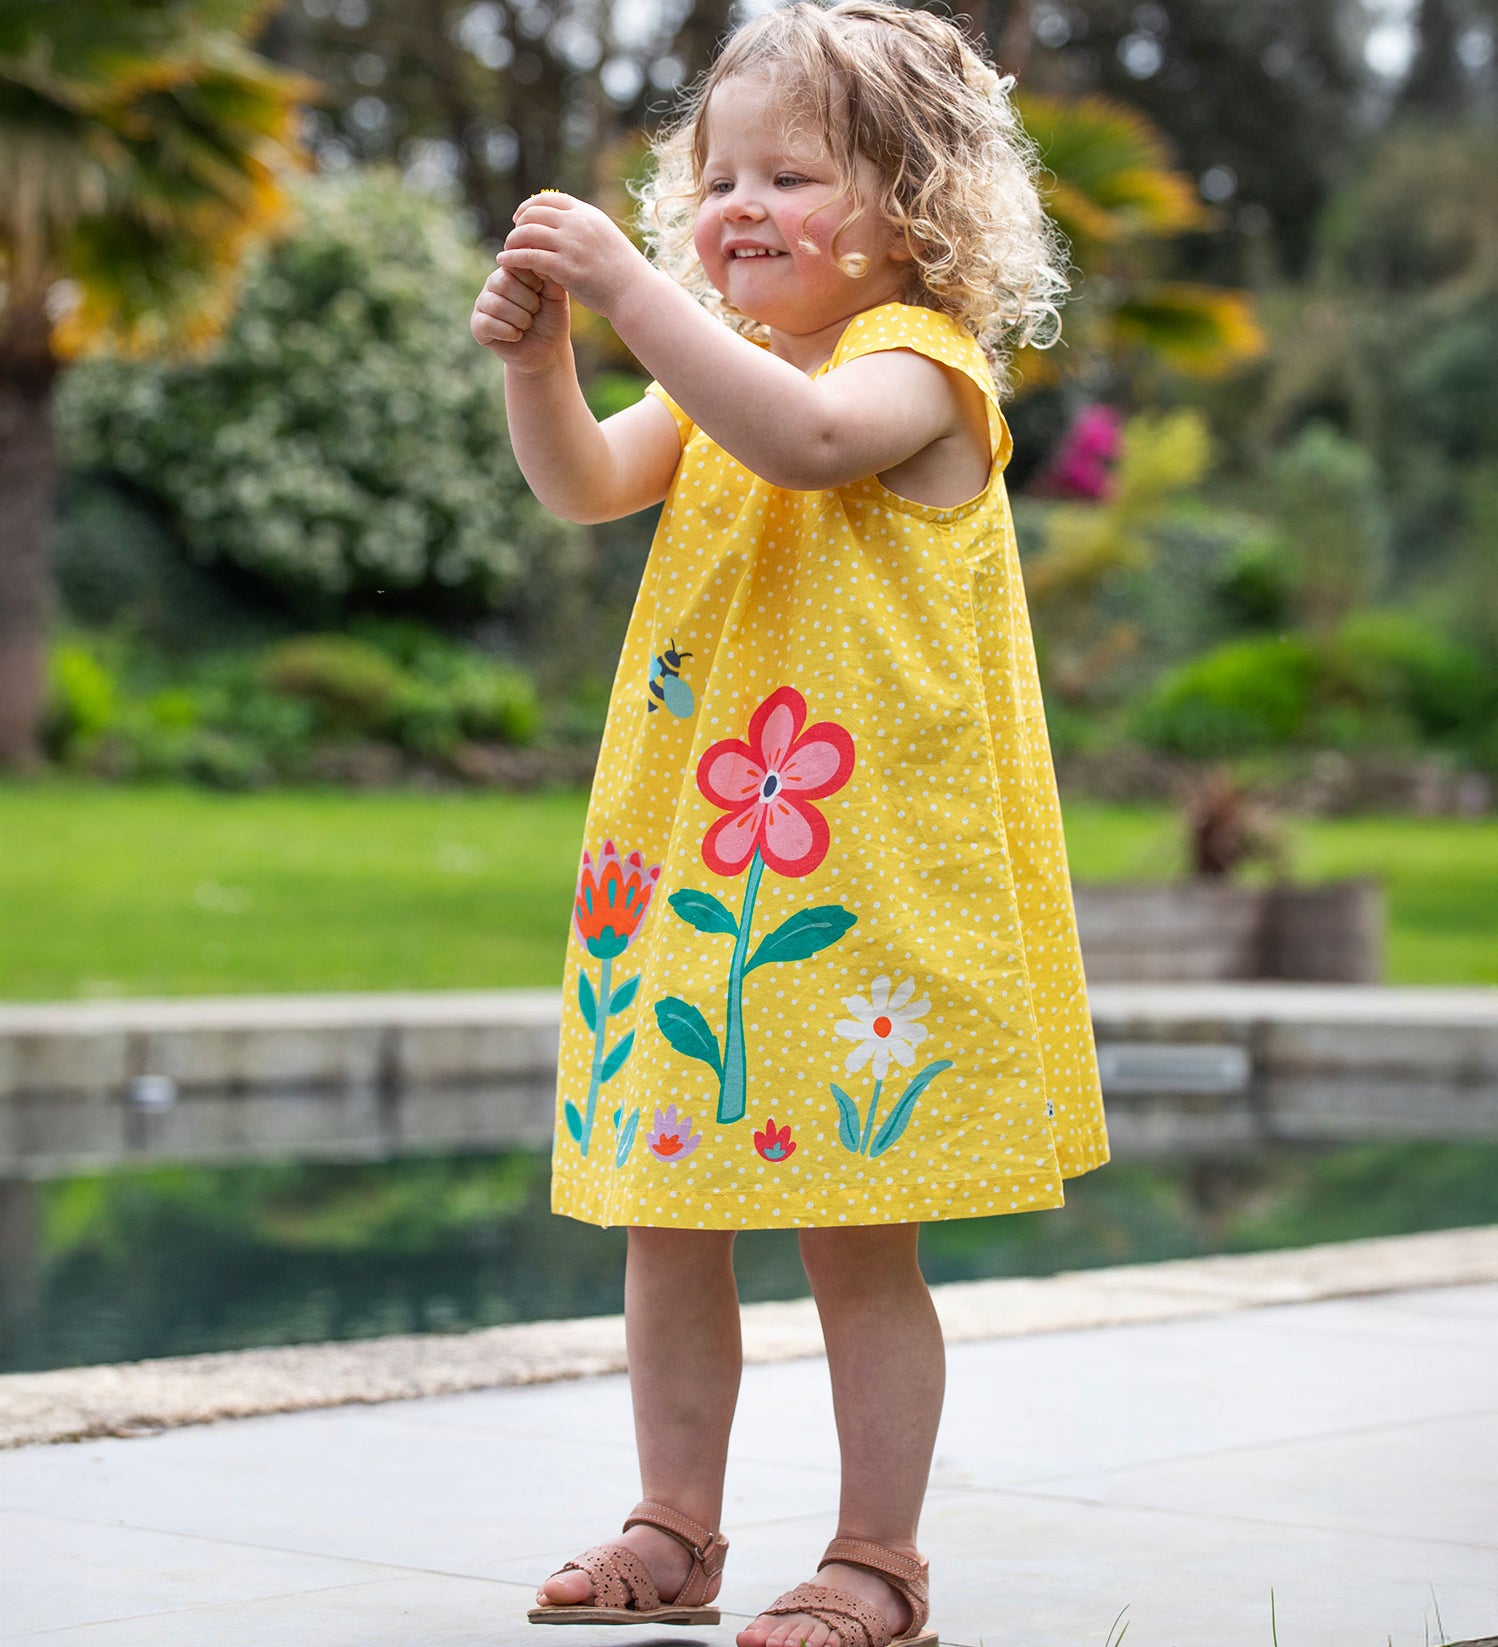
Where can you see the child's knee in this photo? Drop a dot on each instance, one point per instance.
(861, 1258)
(679, 1249)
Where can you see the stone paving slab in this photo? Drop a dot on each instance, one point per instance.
(1339, 1454)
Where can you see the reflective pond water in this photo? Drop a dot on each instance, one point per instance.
(179, 1260)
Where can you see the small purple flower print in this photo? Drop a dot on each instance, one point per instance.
(671, 1138)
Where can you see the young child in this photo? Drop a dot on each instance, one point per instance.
(825, 974)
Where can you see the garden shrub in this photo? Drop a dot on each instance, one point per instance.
(1255, 589)
(1396, 662)
(139, 748)
(241, 720)
(352, 684)
(1246, 696)
(1332, 524)
(345, 438)
(117, 564)
(83, 699)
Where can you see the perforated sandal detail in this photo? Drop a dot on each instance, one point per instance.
(856, 1623)
(623, 1590)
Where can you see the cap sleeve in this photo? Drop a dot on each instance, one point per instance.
(939, 338)
(684, 424)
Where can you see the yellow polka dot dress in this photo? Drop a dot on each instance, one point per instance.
(823, 965)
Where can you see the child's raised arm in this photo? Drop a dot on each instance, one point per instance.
(799, 433)
(578, 468)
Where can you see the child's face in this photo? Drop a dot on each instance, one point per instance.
(770, 209)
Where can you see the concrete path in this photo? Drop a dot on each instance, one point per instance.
(1341, 1454)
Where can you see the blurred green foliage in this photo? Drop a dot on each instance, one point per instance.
(238, 720)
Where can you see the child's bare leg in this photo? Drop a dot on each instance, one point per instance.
(681, 1325)
(888, 1366)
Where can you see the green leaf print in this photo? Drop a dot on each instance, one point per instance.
(624, 994)
(626, 1138)
(703, 911)
(805, 933)
(895, 1121)
(687, 1030)
(847, 1118)
(612, 1064)
(587, 1000)
(574, 1121)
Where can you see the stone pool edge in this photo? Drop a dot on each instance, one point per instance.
(144, 1397)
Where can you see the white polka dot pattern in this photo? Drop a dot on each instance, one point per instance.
(958, 975)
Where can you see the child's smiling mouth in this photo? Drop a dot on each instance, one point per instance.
(753, 251)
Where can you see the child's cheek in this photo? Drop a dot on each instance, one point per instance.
(706, 237)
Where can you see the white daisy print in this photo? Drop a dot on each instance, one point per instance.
(884, 1026)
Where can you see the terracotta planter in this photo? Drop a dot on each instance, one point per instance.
(1214, 932)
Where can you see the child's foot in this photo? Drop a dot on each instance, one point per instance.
(802, 1630)
(668, 1561)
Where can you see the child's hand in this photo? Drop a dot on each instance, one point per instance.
(521, 317)
(577, 246)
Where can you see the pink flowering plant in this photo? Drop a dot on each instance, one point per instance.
(765, 786)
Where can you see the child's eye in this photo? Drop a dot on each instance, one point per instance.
(719, 186)
(788, 180)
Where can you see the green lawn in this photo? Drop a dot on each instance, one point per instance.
(173, 891)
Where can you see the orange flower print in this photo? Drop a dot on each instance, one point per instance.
(611, 900)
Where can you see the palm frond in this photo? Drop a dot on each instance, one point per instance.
(150, 144)
(1111, 162)
(1204, 331)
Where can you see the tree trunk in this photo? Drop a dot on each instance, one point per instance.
(28, 369)
(1436, 87)
(1012, 51)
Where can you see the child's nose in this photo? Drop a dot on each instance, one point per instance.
(743, 207)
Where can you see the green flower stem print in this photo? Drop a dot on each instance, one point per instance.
(884, 1028)
(764, 786)
(868, 1126)
(733, 1091)
(610, 905)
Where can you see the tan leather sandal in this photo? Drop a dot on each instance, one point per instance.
(856, 1623)
(623, 1590)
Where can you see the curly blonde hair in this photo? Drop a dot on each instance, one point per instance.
(905, 90)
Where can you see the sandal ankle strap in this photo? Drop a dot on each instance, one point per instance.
(708, 1547)
(909, 1574)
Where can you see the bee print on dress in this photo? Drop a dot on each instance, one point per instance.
(666, 685)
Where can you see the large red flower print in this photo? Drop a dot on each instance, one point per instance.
(764, 785)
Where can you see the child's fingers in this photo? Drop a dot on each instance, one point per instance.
(507, 286)
(509, 317)
(524, 276)
(548, 265)
(550, 201)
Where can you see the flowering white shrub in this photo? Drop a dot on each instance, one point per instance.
(345, 435)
